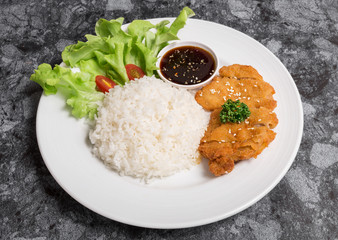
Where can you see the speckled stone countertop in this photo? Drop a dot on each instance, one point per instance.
(303, 34)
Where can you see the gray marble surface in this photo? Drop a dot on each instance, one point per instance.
(303, 34)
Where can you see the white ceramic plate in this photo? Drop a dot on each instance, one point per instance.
(189, 198)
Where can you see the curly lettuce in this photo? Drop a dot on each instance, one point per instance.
(107, 53)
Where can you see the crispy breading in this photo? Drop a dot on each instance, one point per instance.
(225, 144)
(240, 71)
(248, 90)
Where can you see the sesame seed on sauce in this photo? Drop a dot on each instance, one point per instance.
(187, 65)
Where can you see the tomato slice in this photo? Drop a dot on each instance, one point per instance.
(103, 83)
(134, 71)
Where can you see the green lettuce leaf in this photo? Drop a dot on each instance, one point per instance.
(164, 34)
(105, 28)
(72, 54)
(46, 78)
(138, 29)
(78, 88)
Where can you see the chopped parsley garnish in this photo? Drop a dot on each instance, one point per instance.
(234, 111)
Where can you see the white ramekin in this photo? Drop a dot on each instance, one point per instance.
(181, 44)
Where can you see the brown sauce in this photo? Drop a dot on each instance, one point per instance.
(187, 65)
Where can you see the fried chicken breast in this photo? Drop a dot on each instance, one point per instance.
(225, 144)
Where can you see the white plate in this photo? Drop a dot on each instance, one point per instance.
(189, 198)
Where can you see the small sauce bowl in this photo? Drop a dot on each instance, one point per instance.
(187, 64)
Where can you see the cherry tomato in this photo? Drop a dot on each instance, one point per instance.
(103, 83)
(134, 71)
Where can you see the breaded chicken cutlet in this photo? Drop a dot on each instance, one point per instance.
(225, 144)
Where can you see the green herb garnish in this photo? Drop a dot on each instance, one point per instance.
(234, 111)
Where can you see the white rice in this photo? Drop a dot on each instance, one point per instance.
(149, 129)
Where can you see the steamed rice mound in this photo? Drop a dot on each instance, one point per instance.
(148, 129)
